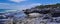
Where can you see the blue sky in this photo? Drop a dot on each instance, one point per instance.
(24, 4)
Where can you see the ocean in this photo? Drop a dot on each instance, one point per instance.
(20, 14)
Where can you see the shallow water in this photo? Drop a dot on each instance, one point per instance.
(20, 14)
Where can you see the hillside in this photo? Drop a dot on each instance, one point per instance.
(49, 6)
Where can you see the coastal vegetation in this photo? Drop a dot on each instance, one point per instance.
(49, 6)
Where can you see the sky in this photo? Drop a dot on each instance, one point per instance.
(24, 4)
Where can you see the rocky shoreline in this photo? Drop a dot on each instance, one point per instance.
(50, 16)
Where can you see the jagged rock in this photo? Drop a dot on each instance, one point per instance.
(47, 15)
(35, 15)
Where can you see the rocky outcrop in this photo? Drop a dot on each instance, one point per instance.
(48, 14)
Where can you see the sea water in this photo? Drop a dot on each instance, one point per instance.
(20, 14)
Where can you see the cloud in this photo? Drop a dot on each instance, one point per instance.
(12, 6)
(30, 5)
(16, 6)
(8, 6)
(18, 1)
(33, 5)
